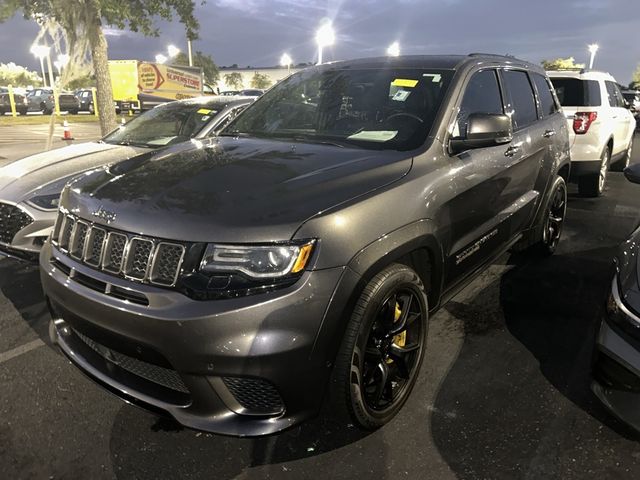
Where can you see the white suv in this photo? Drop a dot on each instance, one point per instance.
(600, 123)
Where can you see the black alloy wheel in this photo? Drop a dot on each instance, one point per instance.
(382, 349)
(393, 349)
(556, 212)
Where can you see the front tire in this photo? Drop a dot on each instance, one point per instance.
(593, 185)
(382, 349)
(550, 230)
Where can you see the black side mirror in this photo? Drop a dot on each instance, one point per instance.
(484, 130)
(633, 173)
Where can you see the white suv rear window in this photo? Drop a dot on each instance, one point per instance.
(573, 92)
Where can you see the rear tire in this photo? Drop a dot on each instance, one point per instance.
(623, 163)
(376, 367)
(593, 185)
(548, 233)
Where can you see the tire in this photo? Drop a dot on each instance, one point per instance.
(45, 110)
(623, 163)
(22, 111)
(593, 185)
(73, 112)
(548, 233)
(357, 392)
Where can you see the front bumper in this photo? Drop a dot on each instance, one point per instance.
(211, 365)
(617, 367)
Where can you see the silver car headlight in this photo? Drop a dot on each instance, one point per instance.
(257, 261)
(47, 201)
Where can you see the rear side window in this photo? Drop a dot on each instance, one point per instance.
(614, 94)
(547, 103)
(481, 96)
(522, 100)
(573, 92)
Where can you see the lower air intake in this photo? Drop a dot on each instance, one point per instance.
(258, 396)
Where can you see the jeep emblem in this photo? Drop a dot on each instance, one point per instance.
(105, 215)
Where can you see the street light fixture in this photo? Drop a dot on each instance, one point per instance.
(41, 51)
(285, 61)
(593, 48)
(325, 36)
(394, 49)
(61, 62)
(160, 58)
(173, 51)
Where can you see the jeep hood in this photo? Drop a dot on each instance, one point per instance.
(231, 189)
(24, 178)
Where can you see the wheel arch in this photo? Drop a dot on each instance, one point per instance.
(414, 245)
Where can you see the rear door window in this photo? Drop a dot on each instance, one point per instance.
(614, 95)
(522, 101)
(573, 92)
(547, 103)
(481, 96)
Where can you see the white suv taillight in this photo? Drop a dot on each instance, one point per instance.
(582, 121)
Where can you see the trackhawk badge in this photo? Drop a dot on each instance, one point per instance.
(105, 215)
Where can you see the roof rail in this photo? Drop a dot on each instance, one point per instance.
(480, 54)
(569, 69)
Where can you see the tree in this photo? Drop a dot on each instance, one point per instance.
(234, 80)
(635, 79)
(561, 64)
(18, 76)
(209, 68)
(261, 80)
(84, 19)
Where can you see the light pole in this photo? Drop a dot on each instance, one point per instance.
(41, 51)
(325, 37)
(593, 48)
(189, 50)
(285, 61)
(394, 49)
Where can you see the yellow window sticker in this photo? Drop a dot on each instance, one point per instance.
(204, 111)
(404, 82)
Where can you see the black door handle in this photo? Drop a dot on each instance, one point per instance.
(549, 133)
(511, 151)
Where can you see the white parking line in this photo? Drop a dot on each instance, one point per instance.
(27, 347)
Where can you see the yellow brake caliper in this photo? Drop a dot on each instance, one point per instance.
(400, 339)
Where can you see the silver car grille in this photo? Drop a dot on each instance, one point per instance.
(12, 220)
(143, 259)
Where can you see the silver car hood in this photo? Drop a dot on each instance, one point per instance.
(19, 180)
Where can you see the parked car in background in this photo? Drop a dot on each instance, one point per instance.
(238, 282)
(601, 126)
(616, 367)
(633, 99)
(251, 92)
(29, 188)
(230, 93)
(21, 103)
(85, 99)
(41, 100)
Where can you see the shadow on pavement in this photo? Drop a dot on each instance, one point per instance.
(540, 317)
(146, 447)
(20, 284)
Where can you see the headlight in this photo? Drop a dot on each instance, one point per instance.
(46, 202)
(257, 262)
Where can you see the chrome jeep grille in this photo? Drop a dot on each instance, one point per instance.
(142, 259)
(12, 220)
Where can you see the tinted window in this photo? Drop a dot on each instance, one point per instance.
(614, 95)
(384, 108)
(573, 92)
(547, 103)
(481, 96)
(522, 101)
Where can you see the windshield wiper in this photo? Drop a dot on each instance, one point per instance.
(129, 143)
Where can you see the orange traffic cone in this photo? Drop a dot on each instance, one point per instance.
(67, 131)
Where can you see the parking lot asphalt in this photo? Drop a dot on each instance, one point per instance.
(503, 392)
(17, 141)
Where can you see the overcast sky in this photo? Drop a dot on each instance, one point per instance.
(257, 32)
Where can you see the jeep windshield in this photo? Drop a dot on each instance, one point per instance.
(164, 125)
(370, 108)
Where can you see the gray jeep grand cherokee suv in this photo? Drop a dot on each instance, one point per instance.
(240, 282)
